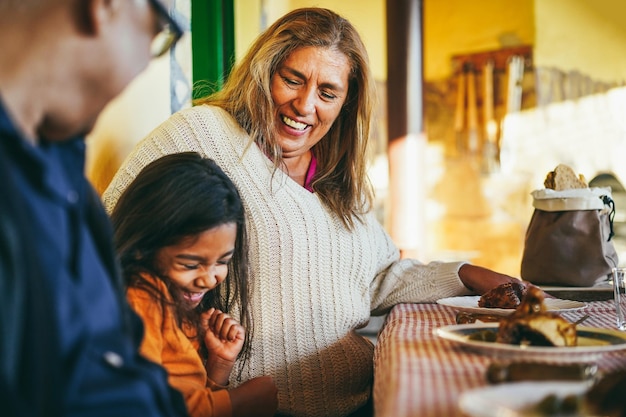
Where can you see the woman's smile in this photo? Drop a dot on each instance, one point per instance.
(299, 126)
(308, 89)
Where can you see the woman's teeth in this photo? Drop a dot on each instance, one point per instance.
(292, 123)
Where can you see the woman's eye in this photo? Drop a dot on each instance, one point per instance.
(328, 96)
(190, 266)
(290, 81)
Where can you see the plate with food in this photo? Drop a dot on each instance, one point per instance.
(470, 304)
(504, 299)
(533, 332)
(591, 343)
(601, 397)
(522, 399)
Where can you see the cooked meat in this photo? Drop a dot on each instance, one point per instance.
(531, 324)
(507, 295)
(538, 329)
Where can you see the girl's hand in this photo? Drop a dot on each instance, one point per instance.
(224, 336)
(255, 397)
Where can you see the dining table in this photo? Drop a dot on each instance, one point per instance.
(419, 374)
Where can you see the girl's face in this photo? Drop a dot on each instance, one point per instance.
(308, 90)
(199, 263)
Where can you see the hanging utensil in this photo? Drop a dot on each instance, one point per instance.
(472, 112)
(459, 116)
(515, 73)
(490, 147)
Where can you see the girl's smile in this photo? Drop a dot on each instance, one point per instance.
(198, 264)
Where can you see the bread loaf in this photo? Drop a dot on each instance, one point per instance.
(564, 178)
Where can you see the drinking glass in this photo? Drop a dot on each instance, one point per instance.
(619, 296)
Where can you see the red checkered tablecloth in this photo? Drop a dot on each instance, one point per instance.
(417, 374)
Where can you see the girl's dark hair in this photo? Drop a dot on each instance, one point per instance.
(176, 197)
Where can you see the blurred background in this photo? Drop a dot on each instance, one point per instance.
(509, 90)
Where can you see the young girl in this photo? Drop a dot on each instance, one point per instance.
(180, 232)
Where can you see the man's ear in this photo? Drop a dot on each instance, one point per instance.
(93, 15)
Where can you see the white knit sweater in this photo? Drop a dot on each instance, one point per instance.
(313, 281)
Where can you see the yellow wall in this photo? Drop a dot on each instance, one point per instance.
(582, 35)
(143, 105)
(566, 34)
(368, 16)
(460, 26)
(588, 36)
(247, 25)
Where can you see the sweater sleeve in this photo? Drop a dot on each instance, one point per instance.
(165, 344)
(409, 280)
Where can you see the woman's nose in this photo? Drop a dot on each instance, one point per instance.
(304, 104)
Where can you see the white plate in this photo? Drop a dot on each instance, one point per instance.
(513, 399)
(592, 343)
(470, 304)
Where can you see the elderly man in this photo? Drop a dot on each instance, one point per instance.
(68, 343)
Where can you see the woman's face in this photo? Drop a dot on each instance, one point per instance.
(308, 90)
(198, 264)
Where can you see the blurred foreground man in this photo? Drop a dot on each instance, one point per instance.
(68, 341)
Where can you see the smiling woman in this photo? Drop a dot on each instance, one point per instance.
(309, 89)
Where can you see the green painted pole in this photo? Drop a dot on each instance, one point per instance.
(212, 44)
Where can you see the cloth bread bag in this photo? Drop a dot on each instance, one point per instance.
(568, 240)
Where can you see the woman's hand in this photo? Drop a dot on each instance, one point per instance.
(479, 280)
(223, 338)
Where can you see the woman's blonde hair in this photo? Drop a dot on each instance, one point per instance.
(340, 180)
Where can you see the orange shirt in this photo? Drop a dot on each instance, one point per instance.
(165, 343)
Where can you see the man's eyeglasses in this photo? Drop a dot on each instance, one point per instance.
(170, 30)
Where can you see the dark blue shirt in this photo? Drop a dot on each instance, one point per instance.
(57, 261)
